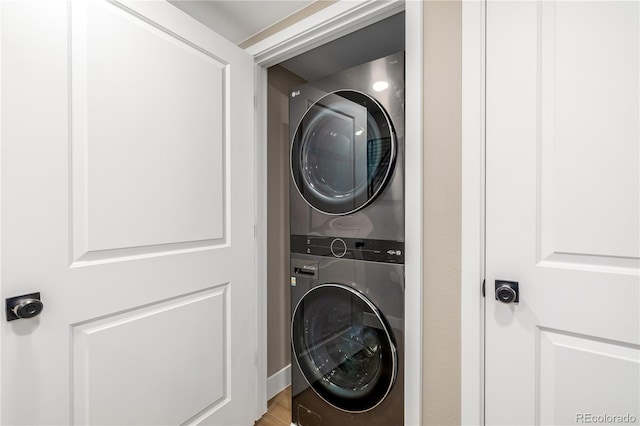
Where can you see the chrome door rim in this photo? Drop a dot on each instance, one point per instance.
(388, 172)
(390, 340)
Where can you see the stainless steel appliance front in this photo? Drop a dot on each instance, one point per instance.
(347, 153)
(347, 338)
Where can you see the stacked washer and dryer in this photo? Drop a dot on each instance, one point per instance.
(347, 247)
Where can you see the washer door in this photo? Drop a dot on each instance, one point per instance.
(343, 347)
(343, 152)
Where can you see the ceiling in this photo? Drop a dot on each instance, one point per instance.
(240, 19)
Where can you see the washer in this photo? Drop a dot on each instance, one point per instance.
(347, 153)
(347, 335)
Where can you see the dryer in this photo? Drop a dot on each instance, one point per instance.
(346, 153)
(347, 336)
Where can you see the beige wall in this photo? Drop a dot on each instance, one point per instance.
(278, 298)
(442, 211)
(442, 217)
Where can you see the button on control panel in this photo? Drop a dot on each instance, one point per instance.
(338, 247)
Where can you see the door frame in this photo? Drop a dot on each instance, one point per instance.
(329, 24)
(473, 212)
(322, 27)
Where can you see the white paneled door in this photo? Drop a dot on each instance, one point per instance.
(562, 215)
(127, 195)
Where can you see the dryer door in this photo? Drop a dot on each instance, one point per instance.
(343, 347)
(343, 152)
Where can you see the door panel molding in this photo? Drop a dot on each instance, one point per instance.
(567, 361)
(117, 210)
(571, 197)
(107, 351)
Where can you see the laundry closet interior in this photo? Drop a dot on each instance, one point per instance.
(379, 40)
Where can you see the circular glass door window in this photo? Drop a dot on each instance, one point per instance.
(343, 347)
(343, 152)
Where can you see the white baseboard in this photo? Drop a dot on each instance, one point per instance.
(278, 382)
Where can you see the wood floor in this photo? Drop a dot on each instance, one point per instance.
(278, 410)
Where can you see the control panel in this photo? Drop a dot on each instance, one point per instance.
(349, 248)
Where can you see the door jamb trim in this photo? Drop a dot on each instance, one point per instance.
(473, 211)
(326, 25)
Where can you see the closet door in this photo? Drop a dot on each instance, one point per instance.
(563, 187)
(128, 205)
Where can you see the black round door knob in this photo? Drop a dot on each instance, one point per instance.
(505, 294)
(507, 291)
(28, 308)
(25, 306)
